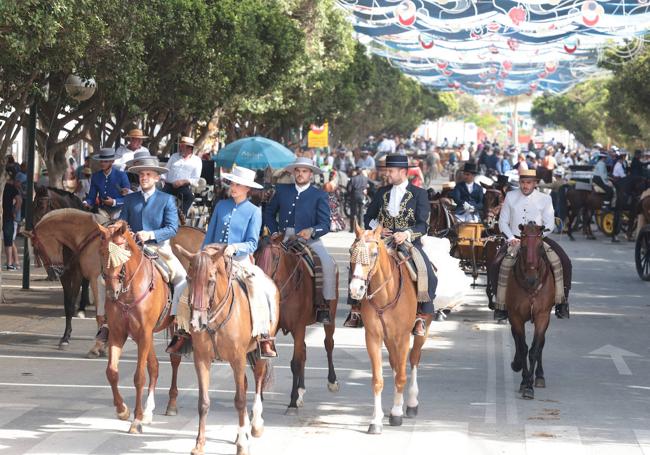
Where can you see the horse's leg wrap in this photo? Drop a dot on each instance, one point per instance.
(504, 272)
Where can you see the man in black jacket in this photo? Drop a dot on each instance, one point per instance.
(357, 189)
(402, 210)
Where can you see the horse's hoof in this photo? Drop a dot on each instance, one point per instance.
(375, 429)
(257, 432)
(197, 451)
(291, 411)
(171, 411)
(528, 393)
(136, 428)
(395, 421)
(516, 366)
(147, 419)
(333, 386)
(93, 354)
(81, 314)
(411, 411)
(242, 450)
(63, 345)
(124, 415)
(540, 383)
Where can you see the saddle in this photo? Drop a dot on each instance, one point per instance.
(312, 263)
(416, 266)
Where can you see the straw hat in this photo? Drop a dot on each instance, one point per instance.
(187, 141)
(242, 176)
(304, 162)
(528, 174)
(105, 154)
(136, 133)
(143, 161)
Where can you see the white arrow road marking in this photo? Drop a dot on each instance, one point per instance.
(616, 354)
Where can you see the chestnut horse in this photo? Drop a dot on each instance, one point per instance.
(214, 288)
(388, 307)
(137, 305)
(530, 297)
(290, 275)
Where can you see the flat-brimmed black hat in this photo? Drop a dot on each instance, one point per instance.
(398, 161)
(471, 168)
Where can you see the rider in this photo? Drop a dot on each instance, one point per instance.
(521, 206)
(402, 210)
(468, 196)
(153, 216)
(601, 179)
(184, 172)
(302, 209)
(125, 153)
(237, 222)
(108, 183)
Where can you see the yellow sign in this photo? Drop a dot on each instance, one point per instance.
(317, 136)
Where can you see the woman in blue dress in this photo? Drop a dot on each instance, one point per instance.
(237, 222)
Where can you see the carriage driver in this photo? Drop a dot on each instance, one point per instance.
(520, 207)
(468, 196)
(303, 210)
(403, 211)
(153, 216)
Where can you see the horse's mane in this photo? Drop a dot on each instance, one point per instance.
(61, 192)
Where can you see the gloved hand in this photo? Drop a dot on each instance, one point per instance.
(471, 209)
(230, 251)
(467, 206)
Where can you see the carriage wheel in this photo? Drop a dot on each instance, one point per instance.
(642, 255)
(606, 224)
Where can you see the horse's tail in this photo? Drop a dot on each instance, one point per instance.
(269, 376)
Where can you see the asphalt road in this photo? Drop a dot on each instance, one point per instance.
(597, 399)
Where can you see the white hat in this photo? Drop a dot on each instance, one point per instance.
(187, 141)
(243, 176)
(304, 162)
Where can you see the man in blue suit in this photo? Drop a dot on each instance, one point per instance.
(302, 209)
(402, 209)
(153, 216)
(468, 196)
(108, 184)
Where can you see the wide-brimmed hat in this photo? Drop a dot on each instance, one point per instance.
(304, 162)
(471, 168)
(105, 154)
(187, 141)
(243, 176)
(528, 174)
(136, 133)
(143, 161)
(398, 161)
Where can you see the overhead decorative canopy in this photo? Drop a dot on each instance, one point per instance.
(498, 47)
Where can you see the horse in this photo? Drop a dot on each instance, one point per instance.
(388, 308)
(493, 200)
(68, 238)
(441, 218)
(291, 276)
(214, 289)
(45, 200)
(530, 297)
(138, 303)
(585, 203)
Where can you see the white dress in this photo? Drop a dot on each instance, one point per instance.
(453, 284)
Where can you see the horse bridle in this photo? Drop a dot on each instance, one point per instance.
(373, 270)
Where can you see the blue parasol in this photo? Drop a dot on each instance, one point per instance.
(255, 153)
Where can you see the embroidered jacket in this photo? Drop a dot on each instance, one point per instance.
(413, 211)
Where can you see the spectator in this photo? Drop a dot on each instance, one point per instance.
(503, 164)
(125, 153)
(11, 203)
(366, 161)
(357, 189)
(414, 174)
(184, 173)
(343, 162)
(549, 161)
(636, 168)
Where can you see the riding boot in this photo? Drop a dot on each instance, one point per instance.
(562, 311)
(267, 347)
(354, 318)
(500, 315)
(420, 328)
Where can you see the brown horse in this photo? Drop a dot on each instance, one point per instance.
(530, 297)
(388, 308)
(137, 305)
(291, 276)
(214, 289)
(441, 218)
(493, 200)
(584, 203)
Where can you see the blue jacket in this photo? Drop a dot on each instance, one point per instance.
(238, 225)
(308, 209)
(159, 214)
(107, 186)
(461, 195)
(413, 215)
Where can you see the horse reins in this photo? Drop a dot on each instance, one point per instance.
(533, 295)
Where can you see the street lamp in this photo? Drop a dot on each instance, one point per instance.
(80, 88)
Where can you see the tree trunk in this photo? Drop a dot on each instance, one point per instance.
(56, 167)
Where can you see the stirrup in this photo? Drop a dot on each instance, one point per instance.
(323, 315)
(271, 352)
(353, 320)
(420, 327)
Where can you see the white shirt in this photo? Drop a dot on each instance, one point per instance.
(470, 187)
(148, 194)
(302, 188)
(519, 209)
(464, 155)
(619, 170)
(124, 154)
(396, 194)
(184, 169)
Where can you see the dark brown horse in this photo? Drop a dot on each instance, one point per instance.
(137, 305)
(582, 203)
(388, 307)
(493, 200)
(441, 218)
(530, 297)
(214, 289)
(290, 274)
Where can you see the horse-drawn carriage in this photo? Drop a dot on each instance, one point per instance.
(642, 248)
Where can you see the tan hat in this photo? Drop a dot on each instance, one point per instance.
(187, 141)
(528, 173)
(449, 185)
(136, 133)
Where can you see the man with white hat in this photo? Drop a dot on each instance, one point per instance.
(153, 216)
(125, 153)
(106, 185)
(302, 209)
(184, 172)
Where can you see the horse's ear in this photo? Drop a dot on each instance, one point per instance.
(358, 230)
(102, 230)
(183, 252)
(214, 249)
(123, 228)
